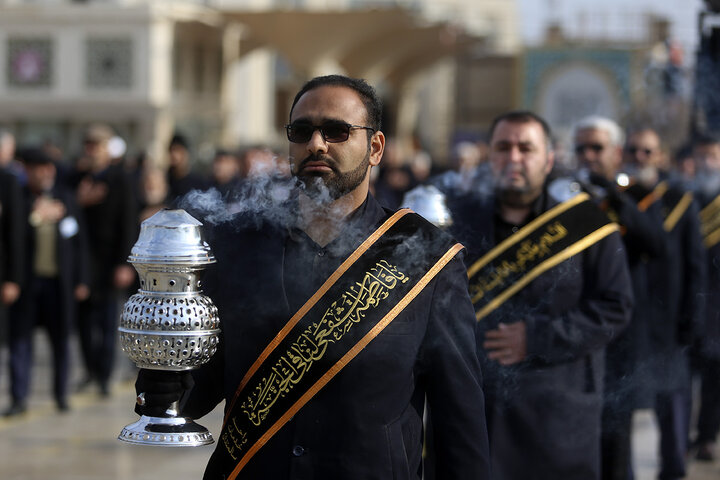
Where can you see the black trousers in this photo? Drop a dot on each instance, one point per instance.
(616, 442)
(41, 304)
(98, 321)
(673, 416)
(708, 423)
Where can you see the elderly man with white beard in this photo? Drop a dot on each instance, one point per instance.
(599, 151)
(673, 305)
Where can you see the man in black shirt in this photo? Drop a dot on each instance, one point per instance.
(369, 311)
(550, 287)
(105, 195)
(599, 148)
(181, 177)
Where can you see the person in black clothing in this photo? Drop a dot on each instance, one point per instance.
(598, 147)
(544, 315)
(365, 419)
(8, 162)
(105, 195)
(225, 172)
(181, 177)
(12, 245)
(706, 152)
(56, 274)
(674, 306)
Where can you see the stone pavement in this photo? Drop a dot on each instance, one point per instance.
(82, 443)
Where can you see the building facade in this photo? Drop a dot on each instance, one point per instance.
(223, 72)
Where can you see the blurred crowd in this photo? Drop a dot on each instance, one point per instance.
(68, 221)
(67, 224)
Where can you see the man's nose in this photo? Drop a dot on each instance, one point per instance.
(514, 155)
(317, 142)
(585, 154)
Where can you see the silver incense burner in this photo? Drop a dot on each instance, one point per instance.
(169, 324)
(428, 202)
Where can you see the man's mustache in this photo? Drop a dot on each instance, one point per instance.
(326, 159)
(514, 170)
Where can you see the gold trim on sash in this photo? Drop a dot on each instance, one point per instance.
(560, 257)
(710, 223)
(652, 197)
(711, 239)
(525, 231)
(678, 211)
(352, 353)
(710, 210)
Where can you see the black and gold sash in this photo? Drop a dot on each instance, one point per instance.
(553, 237)
(372, 286)
(710, 223)
(674, 202)
(644, 198)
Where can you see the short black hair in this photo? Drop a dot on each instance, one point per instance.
(179, 139)
(704, 139)
(32, 156)
(522, 116)
(367, 93)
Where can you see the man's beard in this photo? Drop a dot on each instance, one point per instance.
(518, 196)
(327, 187)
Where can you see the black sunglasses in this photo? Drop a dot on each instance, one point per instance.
(332, 132)
(635, 150)
(595, 147)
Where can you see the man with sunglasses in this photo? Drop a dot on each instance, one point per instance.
(672, 306)
(338, 323)
(599, 150)
(706, 157)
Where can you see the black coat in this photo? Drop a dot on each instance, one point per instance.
(112, 226)
(672, 305)
(12, 240)
(179, 187)
(12, 219)
(544, 413)
(709, 341)
(628, 383)
(71, 253)
(367, 422)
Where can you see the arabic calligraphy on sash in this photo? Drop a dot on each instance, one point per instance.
(527, 252)
(310, 346)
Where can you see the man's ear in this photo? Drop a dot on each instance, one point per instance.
(550, 162)
(377, 147)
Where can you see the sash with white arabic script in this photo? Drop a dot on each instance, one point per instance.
(355, 304)
(553, 237)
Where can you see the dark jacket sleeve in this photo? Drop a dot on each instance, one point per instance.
(129, 226)
(692, 306)
(207, 392)
(14, 217)
(644, 234)
(81, 273)
(209, 379)
(603, 311)
(454, 380)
